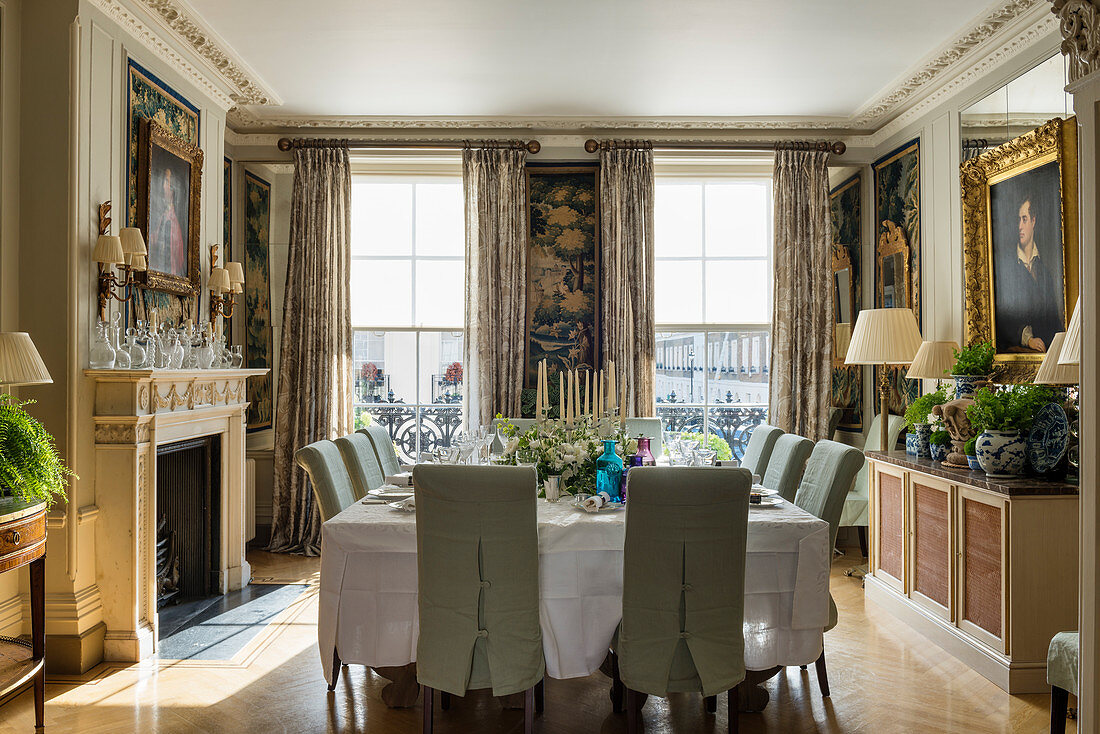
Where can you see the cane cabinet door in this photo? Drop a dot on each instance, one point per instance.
(931, 552)
(982, 550)
(889, 541)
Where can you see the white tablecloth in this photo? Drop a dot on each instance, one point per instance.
(368, 587)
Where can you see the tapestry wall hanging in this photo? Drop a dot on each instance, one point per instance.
(562, 268)
(898, 252)
(150, 98)
(844, 209)
(1020, 245)
(258, 348)
(227, 231)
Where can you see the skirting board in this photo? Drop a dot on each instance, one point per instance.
(1012, 676)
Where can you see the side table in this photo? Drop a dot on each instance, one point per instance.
(23, 543)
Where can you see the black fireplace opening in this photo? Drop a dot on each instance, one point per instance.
(188, 520)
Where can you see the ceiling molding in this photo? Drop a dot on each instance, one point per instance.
(154, 41)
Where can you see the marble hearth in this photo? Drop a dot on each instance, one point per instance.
(135, 411)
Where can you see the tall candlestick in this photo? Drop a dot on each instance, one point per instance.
(538, 391)
(611, 387)
(561, 395)
(600, 396)
(587, 386)
(622, 404)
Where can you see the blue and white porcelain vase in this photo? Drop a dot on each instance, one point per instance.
(924, 433)
(967, 385)
(1001, 453)
(975, 465)
(912, 443)
(938, 451)
(609, 472)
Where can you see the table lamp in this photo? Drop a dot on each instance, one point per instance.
(1052, 371)
(1071, 344)
(20, 363)
(884, 336)
(933, 361)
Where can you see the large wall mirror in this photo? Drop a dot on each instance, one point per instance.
(844, 303)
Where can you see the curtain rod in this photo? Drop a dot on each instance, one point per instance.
(287, 144)
(836, 148)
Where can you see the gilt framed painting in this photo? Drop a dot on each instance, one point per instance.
(1020, 245)
(563, 269)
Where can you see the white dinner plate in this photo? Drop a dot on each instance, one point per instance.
(764, 491)
(391, 493)
(609, 507)
(767, 502)
(401, 506)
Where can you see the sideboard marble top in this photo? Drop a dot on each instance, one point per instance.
(1024, 486)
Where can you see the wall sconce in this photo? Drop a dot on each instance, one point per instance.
(127, 249)
(224, 284)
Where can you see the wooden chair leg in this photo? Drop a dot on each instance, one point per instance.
(861, 530)
(733, 703)
(633, 711)
(822, 674)
(616, 686)
(1059, 701)
(529, 711)
(540, 696)
(335, 669)
(444, 701)
(426, 709)
(710, 704)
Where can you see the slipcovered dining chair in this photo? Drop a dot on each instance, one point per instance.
(759, 451)
(650, 428)
(383, 449)
(683, 587)
(478, 584)
(361, 462)
(857, 504)
(786, 464)
(1063, 664)
(830, 471)
(332, 486)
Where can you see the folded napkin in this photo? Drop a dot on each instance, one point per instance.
(595, 502)
(404, 479)
(408, 504)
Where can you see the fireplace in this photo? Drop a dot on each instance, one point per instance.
(188, 518)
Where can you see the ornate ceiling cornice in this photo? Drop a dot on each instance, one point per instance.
(1079, 22)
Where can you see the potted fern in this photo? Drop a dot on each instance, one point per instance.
(973, 368)
(916, 417)
(1001, 418)
(31, 471)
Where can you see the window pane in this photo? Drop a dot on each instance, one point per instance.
(737, 292)
(441, 370)
(737, 220)
(678, 214)
(679, 298)
(738, 363)
(381, 292)
(440, 292)
(734, 425)
(381, 219)
(384, 363)
(440, 226)
(680, 367)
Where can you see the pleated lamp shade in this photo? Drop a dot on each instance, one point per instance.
(219, 280)
(236, 272)
(884, 336)
(934, 361)
(20, 363)
(1051, 371)
(132, 241)
(108, 250)
(1071, 345)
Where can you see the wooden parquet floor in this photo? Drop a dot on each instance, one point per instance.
(885, 678)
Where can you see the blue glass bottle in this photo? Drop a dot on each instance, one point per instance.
(609, 472)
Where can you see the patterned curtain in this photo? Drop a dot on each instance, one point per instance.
(802, 346)
(495, 186)
(314, 400)
(626, 269)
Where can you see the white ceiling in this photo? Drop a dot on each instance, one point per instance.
(588, 58)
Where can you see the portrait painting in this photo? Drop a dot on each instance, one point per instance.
(1020, 245)
(562, 268)
(170, 180)
(1025, 217)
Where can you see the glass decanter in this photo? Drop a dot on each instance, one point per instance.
(101, 355)
(609, 472)
(122, 357)
(238, 357)
(646, 456)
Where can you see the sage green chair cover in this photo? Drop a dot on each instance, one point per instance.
(361, 462)
(331, 484)
(857, 504)
(684, 580)
(383, 449)
(478, 578)
(785, 467)
(650, 428)
(830, 471)
(1063, 661)
(759, 451)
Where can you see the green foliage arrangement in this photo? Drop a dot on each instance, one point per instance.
(919, 410)
(977, 359)
(940, 438)
(30, 468)
(715, 443)
(970, 448)
(1009, 409)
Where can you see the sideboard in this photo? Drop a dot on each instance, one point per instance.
(985, 568)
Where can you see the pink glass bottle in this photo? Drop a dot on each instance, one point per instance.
(644, 453)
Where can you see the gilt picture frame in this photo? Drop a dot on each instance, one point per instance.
(1020, 245)
(169, 208)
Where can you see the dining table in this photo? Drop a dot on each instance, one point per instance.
(368, 592)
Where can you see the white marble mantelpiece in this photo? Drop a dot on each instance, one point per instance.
(134, 412)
